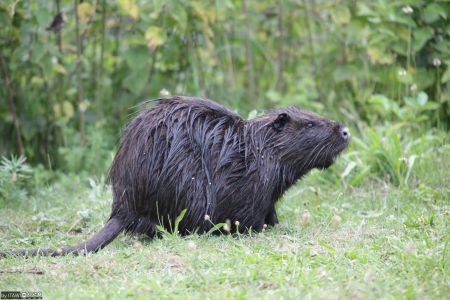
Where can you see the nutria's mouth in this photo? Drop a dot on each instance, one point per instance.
(327, 163)
(331, 158)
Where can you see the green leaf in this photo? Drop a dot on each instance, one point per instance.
(137, 57)
(446, 75)
(67, 109)
(443, 46)
(178, 13)
(411, 161)
(405, 78)
(420, 37)
(155, 37)
(381, 101)
(157, 7)
(422, 98)
(215, 228)
(12, 7)
(346, 72)
(364, 9)
(433, 12)
(351, 255)
(58, 68)
(379, 55)
(360, 177)
(252, 114)
(85, 12)
(430, 106)
(130, 8)
(136, 80)
(424, 78)
(43, 17)
(39, 50)
(341, 15)
(348, 169)
(179, 219)
(325, 245)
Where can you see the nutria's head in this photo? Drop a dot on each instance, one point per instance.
(305, 140)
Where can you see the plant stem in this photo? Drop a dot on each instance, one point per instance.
(311, 46)
(99, 91)
(82, 105)
(230, 62)
(11, 104)
(152, 67)
(115, 53)
(94, 75)
(252, 95)
(58, 32)
(280, 55)
(408, 57)
(60, 77)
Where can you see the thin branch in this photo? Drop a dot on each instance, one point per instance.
(311, 46)
(99, 92)
(60, 77)
(280, 55)
(249, 55)
(115, 53)
(11, 104)
(81, 103)
(152, 68)
(94, 74)
(58, 32)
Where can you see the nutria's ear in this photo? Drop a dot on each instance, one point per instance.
(280, 121)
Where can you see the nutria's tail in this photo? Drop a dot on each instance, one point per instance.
(102, 238)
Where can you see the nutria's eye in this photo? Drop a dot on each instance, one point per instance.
(309, 124)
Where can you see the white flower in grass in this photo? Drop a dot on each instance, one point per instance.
(227, 226)
(207, 218)
(402, 72)
(336, 220)
(407, 9)
(411, 249)
(264, 227)
(306, 218)
(414, 87)
(237, 223)
(83, 105)
(436, 62)
(164, 93)
(191, 245)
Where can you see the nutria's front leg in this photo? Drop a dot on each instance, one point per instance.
(271, 217)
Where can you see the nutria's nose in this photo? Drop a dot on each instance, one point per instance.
(345, 133)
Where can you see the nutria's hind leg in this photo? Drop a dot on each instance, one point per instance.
(271, 217)
(151, 232)
(142, 225)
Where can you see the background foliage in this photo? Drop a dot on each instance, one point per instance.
(71, 70)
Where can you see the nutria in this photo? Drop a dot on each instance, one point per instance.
(192, 155)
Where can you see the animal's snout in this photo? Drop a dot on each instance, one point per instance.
(345, 133)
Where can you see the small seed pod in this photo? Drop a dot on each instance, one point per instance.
(336, 220)
(306, 218)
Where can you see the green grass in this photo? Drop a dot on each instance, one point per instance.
(388, 242)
